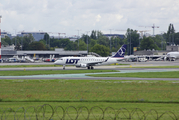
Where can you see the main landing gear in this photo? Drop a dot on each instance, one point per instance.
(63, 67)
(90, 67)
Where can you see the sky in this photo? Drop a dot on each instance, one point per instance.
(82, 16)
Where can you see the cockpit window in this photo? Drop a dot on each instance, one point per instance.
(60, 59)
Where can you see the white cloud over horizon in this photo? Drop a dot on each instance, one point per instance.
(71, 15)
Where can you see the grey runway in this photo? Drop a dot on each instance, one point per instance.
(90, 78)
(83, 76)
(94, 78)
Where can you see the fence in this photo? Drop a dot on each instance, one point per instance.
(47, 112)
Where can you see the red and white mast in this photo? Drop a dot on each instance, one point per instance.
(0, 37)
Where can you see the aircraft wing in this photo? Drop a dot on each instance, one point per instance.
(94, 63)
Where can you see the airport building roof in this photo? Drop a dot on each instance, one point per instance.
(114, 35)
(58, 53)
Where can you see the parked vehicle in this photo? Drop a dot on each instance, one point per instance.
(13, 60)
(143, 59)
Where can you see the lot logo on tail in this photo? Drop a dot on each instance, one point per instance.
(121, 51)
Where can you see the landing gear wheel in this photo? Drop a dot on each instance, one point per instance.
(88, 67)
(92, 67)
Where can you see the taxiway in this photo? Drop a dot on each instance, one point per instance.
(122, 68)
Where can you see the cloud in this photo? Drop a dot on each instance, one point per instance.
(98, 17)
(69, 15)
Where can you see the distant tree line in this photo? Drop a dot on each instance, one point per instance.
(97, 42)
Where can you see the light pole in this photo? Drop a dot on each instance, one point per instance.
(0, 37)
(22, 45)
(162, 32)
(130, 42)
(110, 40)
(15, 37)
(78, 39)
(87, 41)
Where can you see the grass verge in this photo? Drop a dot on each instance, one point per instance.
(170, 74)
(27, 66)
(43, 72)
(89, 91)
(150, 67)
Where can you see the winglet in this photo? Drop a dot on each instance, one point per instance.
(121, 51)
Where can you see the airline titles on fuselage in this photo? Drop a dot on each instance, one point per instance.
(76, 61)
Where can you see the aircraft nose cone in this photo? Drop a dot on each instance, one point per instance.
(56, 62)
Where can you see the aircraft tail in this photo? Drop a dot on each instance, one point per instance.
(120, 53)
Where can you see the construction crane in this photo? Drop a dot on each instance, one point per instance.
(61, 33)
(152, 27)
(142, 32)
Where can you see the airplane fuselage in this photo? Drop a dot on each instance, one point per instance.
(77, 61)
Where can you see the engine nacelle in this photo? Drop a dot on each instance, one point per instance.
(81, 65)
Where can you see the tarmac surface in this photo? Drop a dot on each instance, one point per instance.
(121, 68)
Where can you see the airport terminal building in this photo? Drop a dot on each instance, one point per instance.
(9, 51)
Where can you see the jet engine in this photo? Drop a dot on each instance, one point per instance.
(81, 65)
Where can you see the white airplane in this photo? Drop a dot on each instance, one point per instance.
(172, 56)
(89, 62)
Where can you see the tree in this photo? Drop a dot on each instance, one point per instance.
(148, 43)
(177, 38)
(93, 35)
(92, 43)
(133, 40)
(3, 42)
(18, 47)
(170, 34)
(27, 40)
(160, 41)
(47, 38)
(101, 50)
(103, 40)
(37, 46)
(99, 34)
(8, 40)
(71, 46)
(43, 41)
(82, 45)
(116, 42)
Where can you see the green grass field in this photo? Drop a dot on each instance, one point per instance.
(146, 95)
(89, 90)
(45, 72)
(161, 96)
(170, 74)
(150, 67)
(27, 66)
